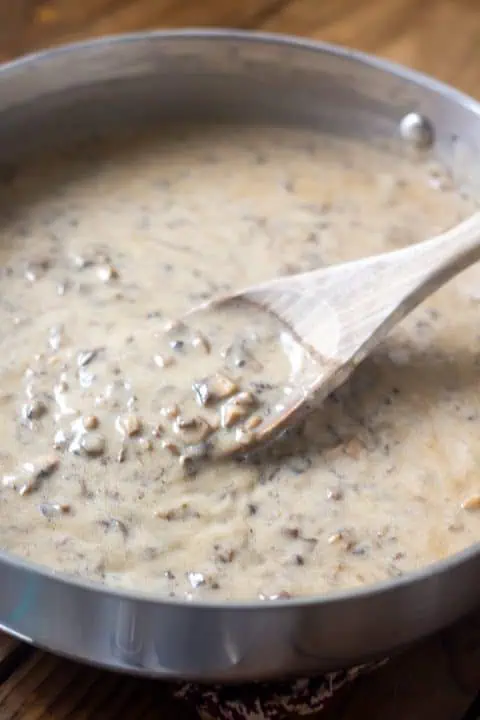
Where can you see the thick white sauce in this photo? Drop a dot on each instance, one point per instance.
(102, 245)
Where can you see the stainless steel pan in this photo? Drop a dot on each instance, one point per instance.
(57, 96)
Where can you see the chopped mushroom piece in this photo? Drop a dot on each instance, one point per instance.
(179, 512)
(61, 440)
(354, 448)
(170, 411)
(171, 447)
(90, 422)
(163, 361)
(121, 455)
(195, 452)
(231, 413)
(192, 430)
(34, 409)
(85, 357)
(116, 525)
(128, 424)
(30, 475)
(472, 503)
(173, 325)
(201, 341)
(252, 422)
(345, 537)
(107, 273)
(54, 509)
(236, 408)
(90, 443)
(244, 437)
(36, 268)
(245, 399)
(145, 445)
(217, 387)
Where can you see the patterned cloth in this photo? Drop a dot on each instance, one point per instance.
(267, 700)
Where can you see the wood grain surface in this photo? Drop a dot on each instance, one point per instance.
(440, 678)
(440, 37)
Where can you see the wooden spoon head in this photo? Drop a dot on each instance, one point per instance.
(312, 381)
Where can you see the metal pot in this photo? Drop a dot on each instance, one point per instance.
(57, 96)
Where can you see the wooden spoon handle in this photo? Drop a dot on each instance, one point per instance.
(370, 296)
(401, 280)
(446, 255)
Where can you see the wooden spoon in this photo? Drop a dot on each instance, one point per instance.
(340, 313)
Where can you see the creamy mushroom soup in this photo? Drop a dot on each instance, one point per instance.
(111, 410)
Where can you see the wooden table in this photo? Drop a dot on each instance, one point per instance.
(440, 678)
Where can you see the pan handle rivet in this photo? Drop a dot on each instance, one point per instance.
(417, 130)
